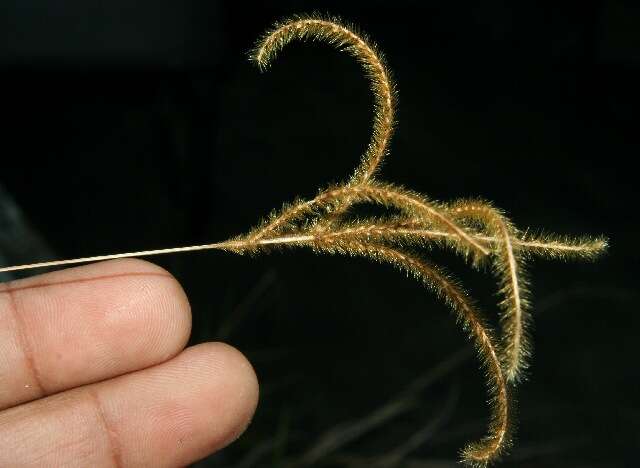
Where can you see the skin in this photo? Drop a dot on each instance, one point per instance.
(94, 372)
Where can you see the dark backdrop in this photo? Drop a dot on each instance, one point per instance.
(135, 125)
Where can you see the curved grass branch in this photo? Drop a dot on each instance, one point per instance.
(344, 37)
(432, 277)
(509, 269)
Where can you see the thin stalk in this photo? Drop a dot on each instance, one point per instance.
(585, 247)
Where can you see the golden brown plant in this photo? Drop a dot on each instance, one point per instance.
(472, 228)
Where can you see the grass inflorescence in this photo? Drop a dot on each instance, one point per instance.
(474, 229)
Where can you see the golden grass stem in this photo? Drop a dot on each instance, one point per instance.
(587, 247)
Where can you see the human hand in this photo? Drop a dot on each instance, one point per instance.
(93, 372)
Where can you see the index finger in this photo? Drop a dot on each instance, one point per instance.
(82, 325)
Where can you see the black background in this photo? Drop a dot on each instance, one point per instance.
(137, 125)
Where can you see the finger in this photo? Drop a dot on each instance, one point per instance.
(168, 415)
(87, 324)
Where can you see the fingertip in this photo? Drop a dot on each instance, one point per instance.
(236, 385)
(185, 409)
(169, 305)
(172, 414)
(164, 306)
(154, 309)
